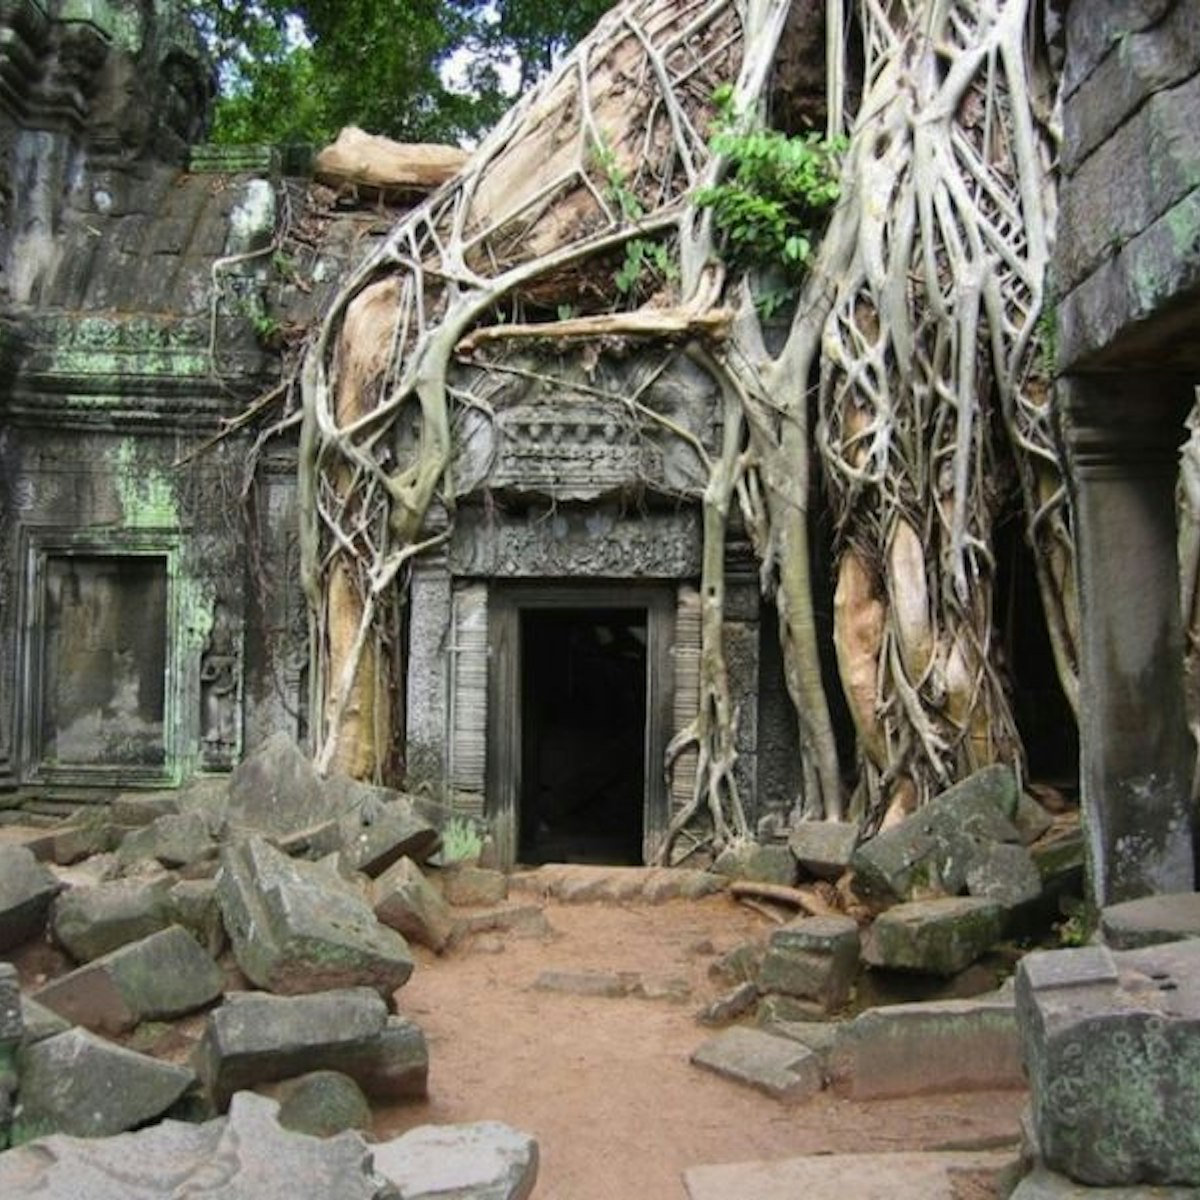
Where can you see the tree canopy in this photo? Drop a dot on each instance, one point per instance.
(415, 70)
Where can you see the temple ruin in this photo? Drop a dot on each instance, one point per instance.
(545, 654)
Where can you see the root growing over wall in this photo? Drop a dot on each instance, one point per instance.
(913, 343)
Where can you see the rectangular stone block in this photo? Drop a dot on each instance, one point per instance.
(814, 958)
(915, 1049)
(1112, 1047)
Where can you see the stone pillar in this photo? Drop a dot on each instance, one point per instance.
(1123, 433)
(428, 640)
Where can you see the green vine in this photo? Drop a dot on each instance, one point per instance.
(774, 197)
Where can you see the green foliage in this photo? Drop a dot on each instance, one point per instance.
(461, 841)
(416, 70)
(775, 194)
(646, 261)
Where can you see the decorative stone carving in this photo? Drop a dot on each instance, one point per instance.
(596, 543)
(575, 450)
(220, 667)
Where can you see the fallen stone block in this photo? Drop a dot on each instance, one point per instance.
(1004, 872)
(610, 984)
(247, 1154)
(255, 1039)
(275, 790)
(94, 920)
(916, 1049)
(824, 848)
(1151, 921)
(1112, 1048)
(935, 847)
(757, 863)
(680, 883)
(194, 906)
(938, 937)
(467, 886)
(157, 978)
(26, 892)
(322, 1104)
(783, 1069)
(79, 1084)
(1031, 819)
(40, 1023)
(819, 1036)
(134, 809)
(12, 1032)
(408, 903)
(396, 1067)
(481, 1161)
(12, 1017)
(1042, 1184)
(774, 1008)
(523, 920)
(738, 965)
(903, 1175)
(729, 1006)
(72, 845)
(295, 929)
(173, 841)
(372, 843)
(812, 958)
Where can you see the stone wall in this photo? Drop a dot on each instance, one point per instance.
(1127, 276)
(131, 295)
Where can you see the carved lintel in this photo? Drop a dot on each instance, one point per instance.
(594, 543)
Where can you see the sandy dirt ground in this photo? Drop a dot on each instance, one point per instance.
(605, 1084)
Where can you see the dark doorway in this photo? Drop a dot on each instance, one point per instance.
(583, 734)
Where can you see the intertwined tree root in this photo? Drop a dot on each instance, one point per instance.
(913, 340)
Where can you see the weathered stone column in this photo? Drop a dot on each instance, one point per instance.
(1123, 433)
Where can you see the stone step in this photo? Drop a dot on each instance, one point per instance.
(920, 1175)
(580, 883)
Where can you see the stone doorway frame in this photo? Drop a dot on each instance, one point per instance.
(39, 546)
(504, 743)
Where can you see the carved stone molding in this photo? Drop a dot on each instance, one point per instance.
(596, 543)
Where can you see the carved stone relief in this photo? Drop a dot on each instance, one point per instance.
(595, 543)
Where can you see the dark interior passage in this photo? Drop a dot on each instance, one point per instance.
(583, 722)
(1044, 717)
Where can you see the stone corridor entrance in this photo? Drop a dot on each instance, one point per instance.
(581, 677)
(583, 723)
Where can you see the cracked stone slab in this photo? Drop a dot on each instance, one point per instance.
(777, 1066)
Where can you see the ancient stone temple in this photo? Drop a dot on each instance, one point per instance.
(129, 653)
(153, 624)
(156, 612)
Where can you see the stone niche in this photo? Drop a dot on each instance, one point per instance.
(100, 655)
